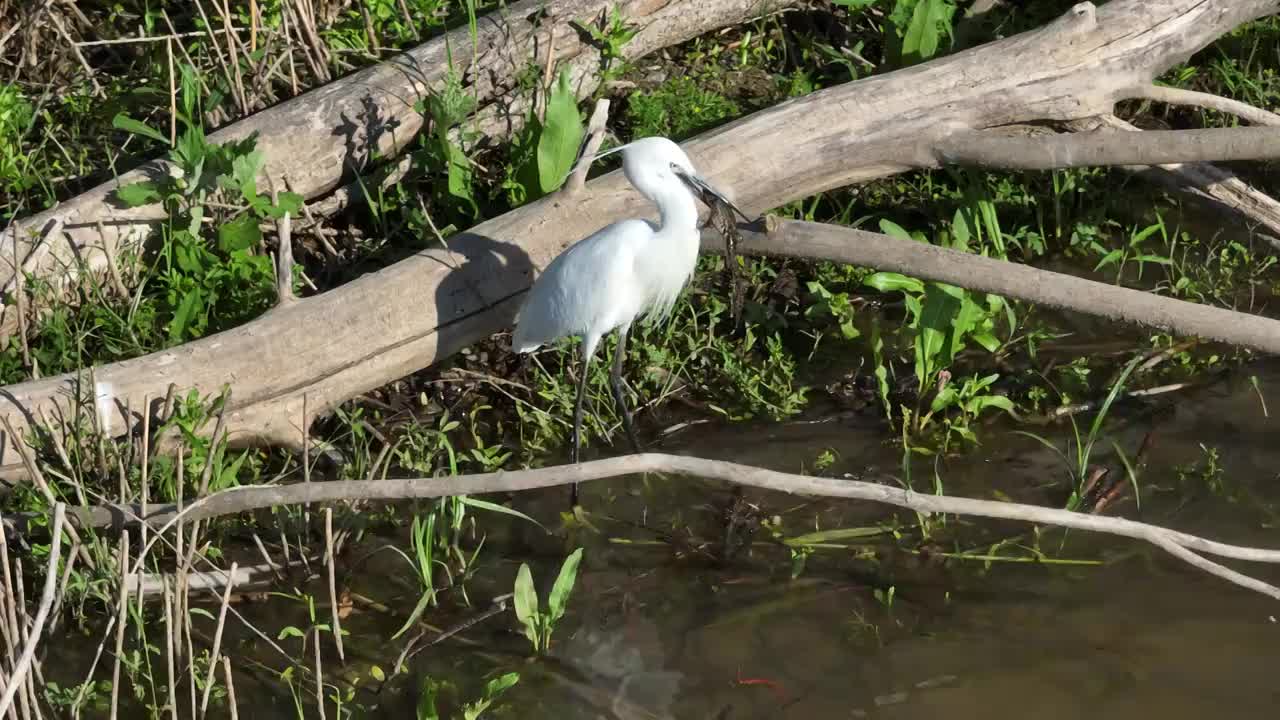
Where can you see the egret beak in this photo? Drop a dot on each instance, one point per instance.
(706, 192)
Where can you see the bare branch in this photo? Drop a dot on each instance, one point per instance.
(990, 148)
(595, 136)
(1204, 181)
(42, 613)
(247, 498)
(1178, 96)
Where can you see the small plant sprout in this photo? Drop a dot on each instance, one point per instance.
(539, 625)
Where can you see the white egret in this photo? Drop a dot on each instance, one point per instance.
(622, 271)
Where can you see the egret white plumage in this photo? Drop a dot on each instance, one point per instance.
(622, 271)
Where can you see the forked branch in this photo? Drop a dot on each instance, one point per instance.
(1182, 545)
(1178, 96)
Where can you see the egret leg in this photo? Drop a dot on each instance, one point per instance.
(619, 388)
(577, 419)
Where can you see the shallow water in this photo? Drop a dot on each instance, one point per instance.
(664, 631)
(659, 627)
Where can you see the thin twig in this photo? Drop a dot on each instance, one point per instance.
(122, 614)
(46, 601)
(254, 497)
(231, 688)
(1178, 96)
(217, 641)
(596, 130)
(333, 585)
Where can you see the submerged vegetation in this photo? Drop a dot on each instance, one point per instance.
(349, 609)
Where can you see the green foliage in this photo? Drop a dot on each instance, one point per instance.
(539, 625)
(611, 36)
(916, 29)
(678, 108)
(944, 319)
(544, 152)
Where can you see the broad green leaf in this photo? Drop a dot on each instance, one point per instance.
(944, 399)
(500, 684)
(526, 597)
(139, 193)
(893, 229)
(890, 281)
(559, 597)
(290, 631)
(930, 20)
(123, 122)
(942, 305)
(980, 403)
(376, 673)
(244, 174)
(561, 135)
(960, 232)
(988, 341)
(494, 507)
(182, 316)
(426, 708)
(239, 234)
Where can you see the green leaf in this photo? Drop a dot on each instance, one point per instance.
(239, 234)
(893, 229)
(564, 586)
(426, 708)
(561, 135)
(123, 122)
(942, 305)
(417, 613)
(500, 684)
(494, 507)
(890, 281)
(182, 317)
(290, 631)
(826, 536)
(929, 21)
(244, 172)
(139, 193)
(982, 402)
(944, 399)
(526, 603)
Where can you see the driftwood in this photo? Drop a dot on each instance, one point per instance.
(1190, 548)
(319, 351)
(311, 141)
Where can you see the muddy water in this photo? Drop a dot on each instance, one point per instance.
(659, 628)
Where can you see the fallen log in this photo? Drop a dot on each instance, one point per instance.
(315, 139)
(317, 352)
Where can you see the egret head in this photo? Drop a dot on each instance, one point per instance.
(656, 166)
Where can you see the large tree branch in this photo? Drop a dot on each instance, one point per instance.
(245, 499)
(312, 141)
(1206, 182)
(1045, 151)
(975, 272)
(317, 352)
